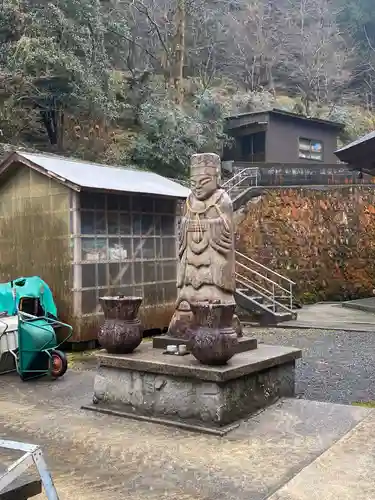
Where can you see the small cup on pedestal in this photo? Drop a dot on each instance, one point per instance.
(182, 350)
(122, 331)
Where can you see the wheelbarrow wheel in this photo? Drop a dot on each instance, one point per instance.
(59, 364)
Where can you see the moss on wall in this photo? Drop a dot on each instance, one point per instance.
(323, 239)
(35, 234)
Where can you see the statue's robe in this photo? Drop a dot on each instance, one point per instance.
(206, 269)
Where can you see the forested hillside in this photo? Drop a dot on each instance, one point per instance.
(148, 82)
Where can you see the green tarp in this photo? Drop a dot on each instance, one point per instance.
(33, 287)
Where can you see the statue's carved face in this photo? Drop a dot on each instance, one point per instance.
(203, 185)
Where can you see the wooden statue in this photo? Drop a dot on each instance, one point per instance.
(206, 270)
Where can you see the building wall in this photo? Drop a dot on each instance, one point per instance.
(35, 228)
(321, 239)
(234, 150)
(26, 184)
(282, 140)
(128, 246)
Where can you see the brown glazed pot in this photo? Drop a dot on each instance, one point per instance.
(122, 331)
(213, 339)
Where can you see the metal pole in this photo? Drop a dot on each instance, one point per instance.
(32, 454)
(291, 296)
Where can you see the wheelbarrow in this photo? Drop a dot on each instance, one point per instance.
(38, 352)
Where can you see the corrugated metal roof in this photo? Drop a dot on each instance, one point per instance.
(360, 140)
(96, 176)
(289, 114)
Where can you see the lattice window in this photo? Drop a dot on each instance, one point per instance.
(310, 149)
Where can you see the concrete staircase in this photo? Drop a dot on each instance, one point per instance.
(261, 292)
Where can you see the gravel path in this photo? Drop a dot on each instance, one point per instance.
(337, 366)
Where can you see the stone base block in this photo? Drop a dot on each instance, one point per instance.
(162, 341)
(179, 389)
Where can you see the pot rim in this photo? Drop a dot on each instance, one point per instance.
(212, 305)
(121, 298)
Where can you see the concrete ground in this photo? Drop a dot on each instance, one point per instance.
(332, 316)
(367, 304)
(301, 449)
(290, 451)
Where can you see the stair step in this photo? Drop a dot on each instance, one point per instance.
(275, 318)
(262, 307)
(283, 315)
(258, 298)
(283, 300)
(249, 293)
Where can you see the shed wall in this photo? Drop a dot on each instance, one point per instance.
(35, 232)
(283, 135)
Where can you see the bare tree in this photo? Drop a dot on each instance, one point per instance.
(258, 42)
(156, 38)
(209, 41)
(292, 45)
(316, 53)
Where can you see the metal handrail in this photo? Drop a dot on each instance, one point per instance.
(270, 297)
(269, 294)
(264, 267)
(253, 285)
(238, 185)
(234, 182)
(32, 455)
(241, 174)
(262, 276)
(246, 171)
(249, 283)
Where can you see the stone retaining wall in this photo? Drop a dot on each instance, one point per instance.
(323, 239)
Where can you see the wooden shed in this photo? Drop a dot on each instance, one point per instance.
(90, 230)
(278, 136)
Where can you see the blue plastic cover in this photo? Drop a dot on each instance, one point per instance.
(33, 287)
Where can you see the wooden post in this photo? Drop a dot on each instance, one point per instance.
(77, 257)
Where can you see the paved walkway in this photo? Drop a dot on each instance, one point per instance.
(334, 317)
(95, 456)
(345, 471)
(367, 305)
(296, 450)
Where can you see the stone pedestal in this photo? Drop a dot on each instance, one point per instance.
(178, 390)
(162, 341)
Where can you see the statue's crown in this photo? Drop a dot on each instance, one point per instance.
(205, 163)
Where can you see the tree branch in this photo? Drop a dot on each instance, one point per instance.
(131, 40)
(368, 39)
(144, 10)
